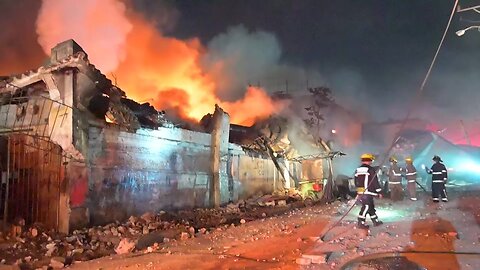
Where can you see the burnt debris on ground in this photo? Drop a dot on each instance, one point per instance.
(35, 246)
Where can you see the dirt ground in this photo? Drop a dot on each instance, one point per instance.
(272, 243)
(422, 232)
(277, 242)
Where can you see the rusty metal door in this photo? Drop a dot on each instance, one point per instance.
(35, 178)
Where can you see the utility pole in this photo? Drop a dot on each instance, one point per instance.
(474, 8)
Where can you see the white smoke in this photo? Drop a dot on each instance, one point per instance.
(239, 57)
(101, 27)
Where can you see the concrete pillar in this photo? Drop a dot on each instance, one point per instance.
(65, 139)
(218, 190)
(64, 50)
(286, 173)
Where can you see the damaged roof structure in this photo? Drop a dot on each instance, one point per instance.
(78, 151)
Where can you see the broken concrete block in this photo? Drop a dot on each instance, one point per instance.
(57, 262)
(114, 231)
(150, 239)
(71, 239)
(133, 220)
(148, 217)
(33, 232)
(316, 259)
(121, 229)
(51, 247)
(282, 203)
(303, 261)
(184, 236)
(243, 221)
(77, 251)
(270, 203)
(453, 234)
(125, 246)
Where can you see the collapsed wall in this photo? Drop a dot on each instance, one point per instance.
(137, 163)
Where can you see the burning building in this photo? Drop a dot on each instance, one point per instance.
(77, 151)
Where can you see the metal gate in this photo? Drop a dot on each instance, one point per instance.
(33, 180)
(32, 175)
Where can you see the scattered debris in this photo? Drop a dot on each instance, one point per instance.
(184, 236)
(453, 234)
(33, 232)
(144, 233)
(316, 259)
(125, 246)
(57, 262)
(303, 261)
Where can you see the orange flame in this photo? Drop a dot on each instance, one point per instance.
(147, 65)
(167, 71)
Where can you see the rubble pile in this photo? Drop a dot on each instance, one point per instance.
(36, 247)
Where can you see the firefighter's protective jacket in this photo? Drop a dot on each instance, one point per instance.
(395, 174)
(366, 180)
(411, 173)
(438, 172)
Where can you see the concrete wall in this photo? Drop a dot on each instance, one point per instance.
(111, 174)
(169, 168)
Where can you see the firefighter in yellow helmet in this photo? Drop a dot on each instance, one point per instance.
(411, 175)
(368, 187)
(395, 180)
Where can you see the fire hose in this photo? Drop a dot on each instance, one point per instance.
(421, 186)
(414, 104)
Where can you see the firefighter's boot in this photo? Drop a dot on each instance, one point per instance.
(377, 222)
(361, 224)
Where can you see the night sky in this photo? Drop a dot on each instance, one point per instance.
(379, 49)
(380, 46)
(378, 38)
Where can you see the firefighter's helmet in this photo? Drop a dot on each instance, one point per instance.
(409, 160)
(437, 158)
(367, 157)
(393, 159)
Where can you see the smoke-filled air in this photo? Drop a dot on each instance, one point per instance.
(181, 76)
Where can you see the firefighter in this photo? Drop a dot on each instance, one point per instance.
(368, 187)
(395, 180)
(439, 179)
(411, 175)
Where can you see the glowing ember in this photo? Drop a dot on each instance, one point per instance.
(108, 120)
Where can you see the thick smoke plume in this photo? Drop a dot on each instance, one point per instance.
(19, 50)
(188, 77)
(148, 65)
(101, 27)
(240, 57)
